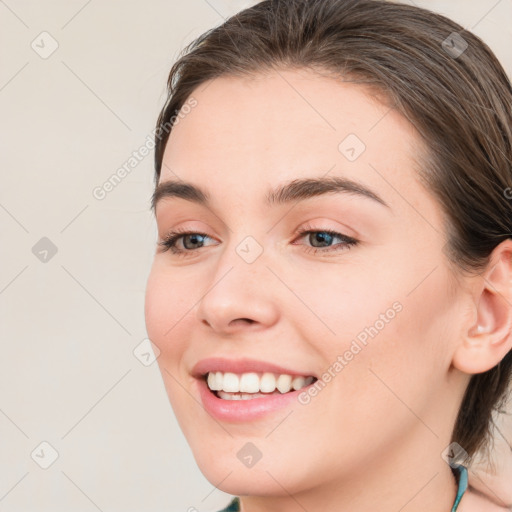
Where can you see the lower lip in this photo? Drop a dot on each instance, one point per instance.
(245, 410)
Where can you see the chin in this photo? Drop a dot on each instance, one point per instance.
(266, 478)
(245, 482)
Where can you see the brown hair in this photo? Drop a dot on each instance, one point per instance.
(442, 78)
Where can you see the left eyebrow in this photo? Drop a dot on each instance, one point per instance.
(295, 190)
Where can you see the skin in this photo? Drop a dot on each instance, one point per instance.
(372, 438)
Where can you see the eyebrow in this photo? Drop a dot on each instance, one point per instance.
(295, 190)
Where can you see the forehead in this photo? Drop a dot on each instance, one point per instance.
(280, 110)
(247, 133)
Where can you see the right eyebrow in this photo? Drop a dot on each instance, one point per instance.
(295, 190)
(180, 189)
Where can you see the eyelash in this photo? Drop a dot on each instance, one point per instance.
(169, 242)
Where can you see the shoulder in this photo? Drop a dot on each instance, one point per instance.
(475, 501)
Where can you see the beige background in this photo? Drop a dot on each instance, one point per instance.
(70, 323)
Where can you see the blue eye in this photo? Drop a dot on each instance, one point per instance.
(189, 238)
(192, 240)
(326, 236)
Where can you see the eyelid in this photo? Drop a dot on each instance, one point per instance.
(322, 224)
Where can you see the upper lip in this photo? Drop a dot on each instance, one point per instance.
(220, 364)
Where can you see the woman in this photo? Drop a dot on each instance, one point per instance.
(331, 291)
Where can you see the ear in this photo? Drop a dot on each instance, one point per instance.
(486, 341)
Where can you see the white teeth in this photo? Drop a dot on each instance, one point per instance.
(231, 383)
(215, 381)
(218, 380)
(243, 396)
(212, 384)
(298, 382)
(267, 383)
(284, 383)
(251, 384)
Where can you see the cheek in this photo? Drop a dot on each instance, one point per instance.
(339, 304)
(393, 331)
(154, 306)
(166, 324)
(165, 308)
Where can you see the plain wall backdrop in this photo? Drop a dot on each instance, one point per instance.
(81, 85)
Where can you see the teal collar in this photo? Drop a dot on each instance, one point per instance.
(460, 472)
(234, 506)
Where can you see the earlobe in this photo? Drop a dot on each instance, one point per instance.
(489, 338)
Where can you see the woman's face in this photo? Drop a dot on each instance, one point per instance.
(374, 321)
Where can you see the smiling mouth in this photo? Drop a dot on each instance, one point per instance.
(253, 385)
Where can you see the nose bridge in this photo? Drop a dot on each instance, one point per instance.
(239, 286)
(246, 253)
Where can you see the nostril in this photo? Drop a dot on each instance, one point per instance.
(245, 320)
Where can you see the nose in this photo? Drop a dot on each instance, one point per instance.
(239, 295)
